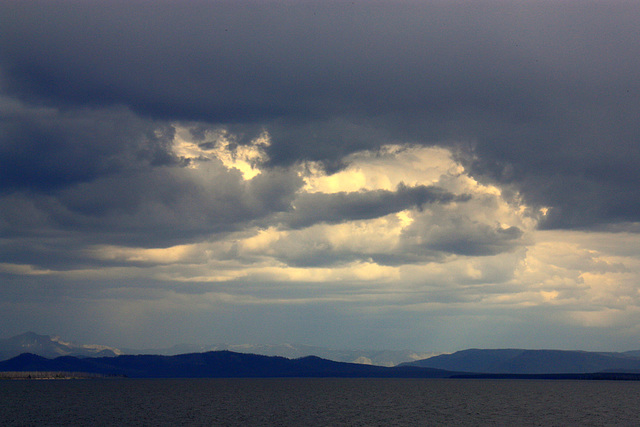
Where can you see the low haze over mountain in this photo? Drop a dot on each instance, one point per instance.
(47, 346)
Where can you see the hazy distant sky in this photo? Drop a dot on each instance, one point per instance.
(432, 175)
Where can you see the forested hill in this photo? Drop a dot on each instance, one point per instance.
(214, 364)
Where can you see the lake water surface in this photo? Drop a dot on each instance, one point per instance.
(318, 402)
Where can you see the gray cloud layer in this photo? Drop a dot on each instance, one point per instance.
(546, 94)
(102, 213)
(311, 208)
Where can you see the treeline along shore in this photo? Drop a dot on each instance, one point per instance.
(47, 375)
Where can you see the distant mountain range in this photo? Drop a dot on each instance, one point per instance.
(33, 352)
(227, 364)
(519, 361)
(51, 347)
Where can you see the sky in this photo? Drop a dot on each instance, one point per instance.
(433, 175)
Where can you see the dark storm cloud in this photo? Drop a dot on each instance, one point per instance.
(472, 240)
(312, 208)
(158, 208)
(546, 94)
(44, 149)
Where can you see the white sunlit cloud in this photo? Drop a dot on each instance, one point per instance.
(350, 251)
(219, 144)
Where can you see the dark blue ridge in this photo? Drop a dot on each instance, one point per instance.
(228, 364)
(214, 364)
(520, 361)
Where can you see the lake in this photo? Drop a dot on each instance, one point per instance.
(318, 402)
